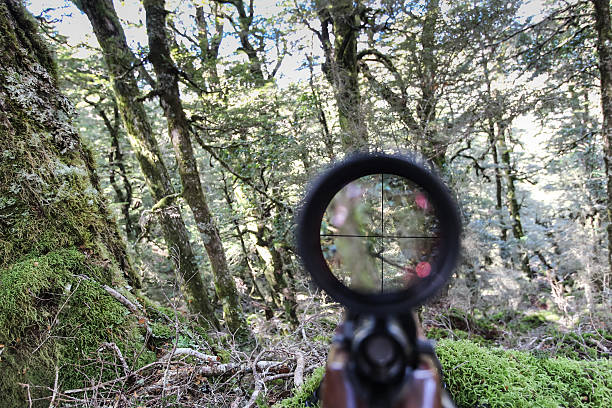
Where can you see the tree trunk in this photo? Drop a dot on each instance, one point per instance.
(281, 280)
(492, 138)
(59, 246)
(498, 181)
(513, 206)
(243, 29)
(120, 63)
(250, 274)
(604, 49)
(342, 70)
(179, 132)
(433, 148)
(210, 43)
(115, 160)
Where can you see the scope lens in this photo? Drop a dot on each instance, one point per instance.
(380, 234)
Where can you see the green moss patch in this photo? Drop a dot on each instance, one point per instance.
(31, 283)
(52, 301)
(478, 376)
(304, 393)
(491, 377)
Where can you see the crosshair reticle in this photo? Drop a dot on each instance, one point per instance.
(379, 234)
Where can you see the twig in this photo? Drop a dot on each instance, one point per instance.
(27, 387)
(542, 342)
(113, 381)
(258, 382)
(124, 301)
(52, 403)
(298, 376)
(190, 352)
(54, 322)
(113, 346)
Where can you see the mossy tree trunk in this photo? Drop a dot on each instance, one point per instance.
(433, 148)
(115, 162)
(341, 67)
(604, 49)
(179, 132)
(59, 246)
(210, 42)
(120, 62)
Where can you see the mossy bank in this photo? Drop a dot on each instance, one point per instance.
(494, 378)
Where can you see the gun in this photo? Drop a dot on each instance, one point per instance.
(380, 234)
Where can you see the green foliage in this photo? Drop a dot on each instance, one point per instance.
(478, 376)
(162, 331)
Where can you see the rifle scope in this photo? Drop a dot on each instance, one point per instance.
(379, 233)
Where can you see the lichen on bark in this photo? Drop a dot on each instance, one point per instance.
(58, 243)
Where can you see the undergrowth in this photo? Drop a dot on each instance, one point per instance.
(303, 396)
(477, 376)
(536, 331)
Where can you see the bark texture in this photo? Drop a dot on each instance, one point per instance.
(604, 49)
(433, 148)
(341, 67)
(59, 246)
(121, 64)
(512, 201)
(179, 131)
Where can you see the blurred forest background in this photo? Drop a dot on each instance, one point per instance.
(197, 125)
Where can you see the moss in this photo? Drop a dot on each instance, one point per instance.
(225, 355)
(162, 331)
(461, 325)
(530, 321)
(58, 245)
(26, 39)
(28, 284)
(305, 393)
(477, 376)
(65, 316)
(49, 193)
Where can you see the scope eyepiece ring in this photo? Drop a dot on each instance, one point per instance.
(321, 194)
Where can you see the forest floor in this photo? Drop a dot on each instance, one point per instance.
(281, 366)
